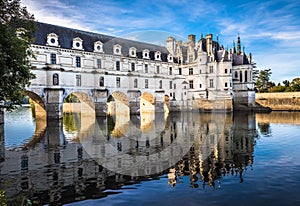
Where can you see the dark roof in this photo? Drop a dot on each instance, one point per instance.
(66, 35)
(239, 59)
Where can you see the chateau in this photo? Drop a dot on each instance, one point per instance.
(180, 76)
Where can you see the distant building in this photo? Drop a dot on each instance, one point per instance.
(195, 75)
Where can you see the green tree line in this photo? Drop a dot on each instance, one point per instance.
(263, 83)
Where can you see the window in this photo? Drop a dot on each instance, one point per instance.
(191, 84)
(241, 76)
(236, 74)
(211, 83)
(117, 65)
(146, 83)
(160, 84)
(78, 62)
(246, 75)
(146, 53)
(157, 69)
(191, 71)
(78, 80)
(52, 58)
(118, 82)
(226, 84)
(98, 46)
(174, 86)
(135, 83)
(200, 85)
(146, 68)
(170, 71)
(132, 66)
(55, 79)
(171, 84)
(211, 69)
(200, 71)
(101, 82)
(180, 71)
(99, 63)
(77, 43)
(225, 71)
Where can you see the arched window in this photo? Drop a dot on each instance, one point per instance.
(55, 79)
(101, 82)
(241, 76)
(246, 76)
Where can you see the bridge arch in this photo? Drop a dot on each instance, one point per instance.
(38, 103)
(118, 112)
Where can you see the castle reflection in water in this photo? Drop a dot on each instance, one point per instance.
(80, 157)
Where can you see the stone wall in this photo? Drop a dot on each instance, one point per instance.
(281, 101)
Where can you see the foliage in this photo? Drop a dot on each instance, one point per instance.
(262, 80)
(16, 29)
(2, 198)
(71, 98)
(293, 86)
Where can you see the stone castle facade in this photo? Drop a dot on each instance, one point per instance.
(194, 75)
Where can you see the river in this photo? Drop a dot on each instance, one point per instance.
(153, 159)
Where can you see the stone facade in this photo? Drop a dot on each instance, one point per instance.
(200, 75)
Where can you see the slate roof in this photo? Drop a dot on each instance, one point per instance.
(66, 35)
(239, 59)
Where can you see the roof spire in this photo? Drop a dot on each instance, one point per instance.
(233, 49)
(238, 45)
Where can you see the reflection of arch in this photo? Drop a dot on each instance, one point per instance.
(39, 111)
(147, 109)
(166, 103)
(118, 106)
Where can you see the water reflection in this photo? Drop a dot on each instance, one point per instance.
(81, 157)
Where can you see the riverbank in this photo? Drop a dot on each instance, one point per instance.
(279, 101)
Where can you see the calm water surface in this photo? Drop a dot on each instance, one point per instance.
(180, 159)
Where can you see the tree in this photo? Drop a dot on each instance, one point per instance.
(262, 80)
(286, 83)
(295, 84)
(16, 29)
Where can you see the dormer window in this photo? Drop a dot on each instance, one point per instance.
(170, 58)
(52, 39)
(132, 52)
(98, 46)
(117, 49)
(157, 56)
(77, 43)
(146, 54)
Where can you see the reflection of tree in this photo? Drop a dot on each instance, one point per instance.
(264, 128)
(71, 122)
(110, 124)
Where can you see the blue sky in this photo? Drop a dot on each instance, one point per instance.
(269, 29)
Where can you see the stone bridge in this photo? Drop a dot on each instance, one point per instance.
(48, 101)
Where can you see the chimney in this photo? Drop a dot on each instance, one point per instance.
(209, 43)
(192, 38)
